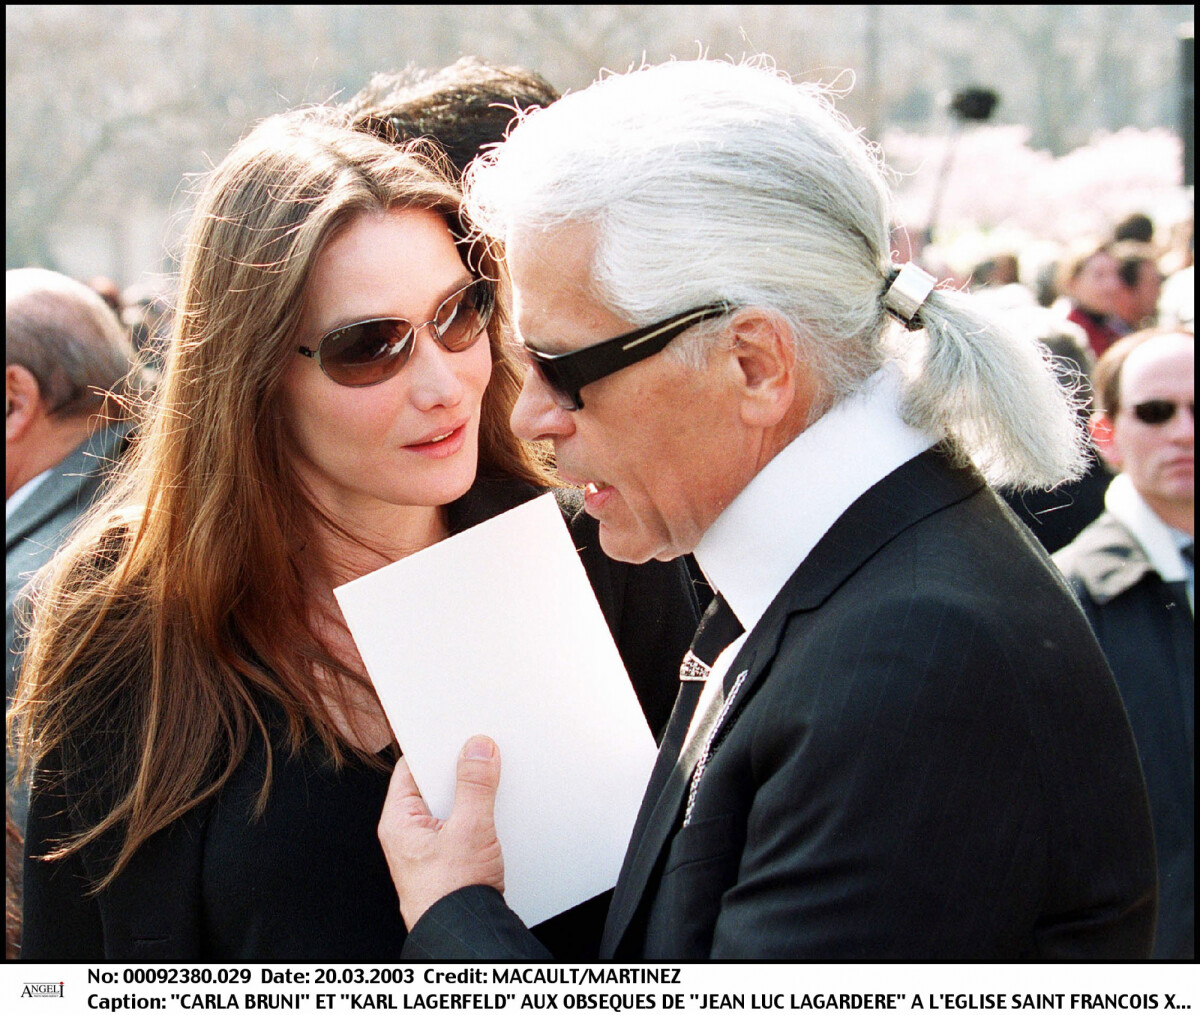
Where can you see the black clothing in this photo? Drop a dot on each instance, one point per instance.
(311, 863)
(308, 880)
(924, 757)
(1147, 630)
(1057, 516)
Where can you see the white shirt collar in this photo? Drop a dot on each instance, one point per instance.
(22, 493)
(1160, 542)
(756, 543)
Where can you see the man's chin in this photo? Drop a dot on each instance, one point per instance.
(623, 546)
(630, 549)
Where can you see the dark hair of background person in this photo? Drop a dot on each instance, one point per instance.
(1137, 226)
(1106, 378)
(462, 107)
(1002, 269)
(1045, 284)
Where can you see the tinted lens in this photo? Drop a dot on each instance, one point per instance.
(1156, 412)
(366, 353)
(462, 318)
(564, 397)
(546, 372)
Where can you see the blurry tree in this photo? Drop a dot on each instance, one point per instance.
(108, 108)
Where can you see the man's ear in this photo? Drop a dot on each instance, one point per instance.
(766, 371)
(1104, 439)
(22, 401)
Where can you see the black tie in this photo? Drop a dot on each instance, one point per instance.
(718, 629)
(1189, 553)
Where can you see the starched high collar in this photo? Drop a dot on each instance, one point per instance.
(773, 524)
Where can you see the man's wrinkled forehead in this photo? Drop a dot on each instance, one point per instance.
(554, 297)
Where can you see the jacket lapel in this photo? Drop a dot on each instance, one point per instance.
(917, 489)
(71, 477)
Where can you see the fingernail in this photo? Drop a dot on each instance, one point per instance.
(479, 749)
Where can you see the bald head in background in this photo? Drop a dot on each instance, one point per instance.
(64, 353)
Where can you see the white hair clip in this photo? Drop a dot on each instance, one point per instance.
(909, 288)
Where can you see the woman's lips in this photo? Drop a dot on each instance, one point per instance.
(441, 445)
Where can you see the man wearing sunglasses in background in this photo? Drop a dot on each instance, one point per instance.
(1132, 570)
(894, 737)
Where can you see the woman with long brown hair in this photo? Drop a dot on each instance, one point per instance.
(209, 756)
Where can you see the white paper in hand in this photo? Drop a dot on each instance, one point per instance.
(496, 630)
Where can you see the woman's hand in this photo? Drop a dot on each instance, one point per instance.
(429, 858)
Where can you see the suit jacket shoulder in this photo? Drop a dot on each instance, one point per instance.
(908, 762)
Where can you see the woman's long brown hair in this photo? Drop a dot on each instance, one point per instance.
(181, 603)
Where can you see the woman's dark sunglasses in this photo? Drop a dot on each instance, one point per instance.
(567, 373)
(370, 352)
(1158, 411)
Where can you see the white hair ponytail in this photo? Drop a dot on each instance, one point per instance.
(993, 392)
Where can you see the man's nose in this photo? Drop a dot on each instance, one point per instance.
(537, 415)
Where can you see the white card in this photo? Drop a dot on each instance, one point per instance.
(496, 631)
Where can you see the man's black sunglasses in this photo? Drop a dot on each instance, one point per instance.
(568, 372)
(1159, 411)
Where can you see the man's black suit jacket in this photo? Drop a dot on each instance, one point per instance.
(927, 758)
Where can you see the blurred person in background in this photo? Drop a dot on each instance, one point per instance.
(1133, 572)
(1180, 247)
(68, 365)
(996, 272)
(1087, 284)
(1136, 304)
(148, 317)
(1045, 284)
(1177, 304)
(109, 291)
(906, 743)
(336, 397)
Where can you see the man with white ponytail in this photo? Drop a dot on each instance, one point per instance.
(895, 736)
